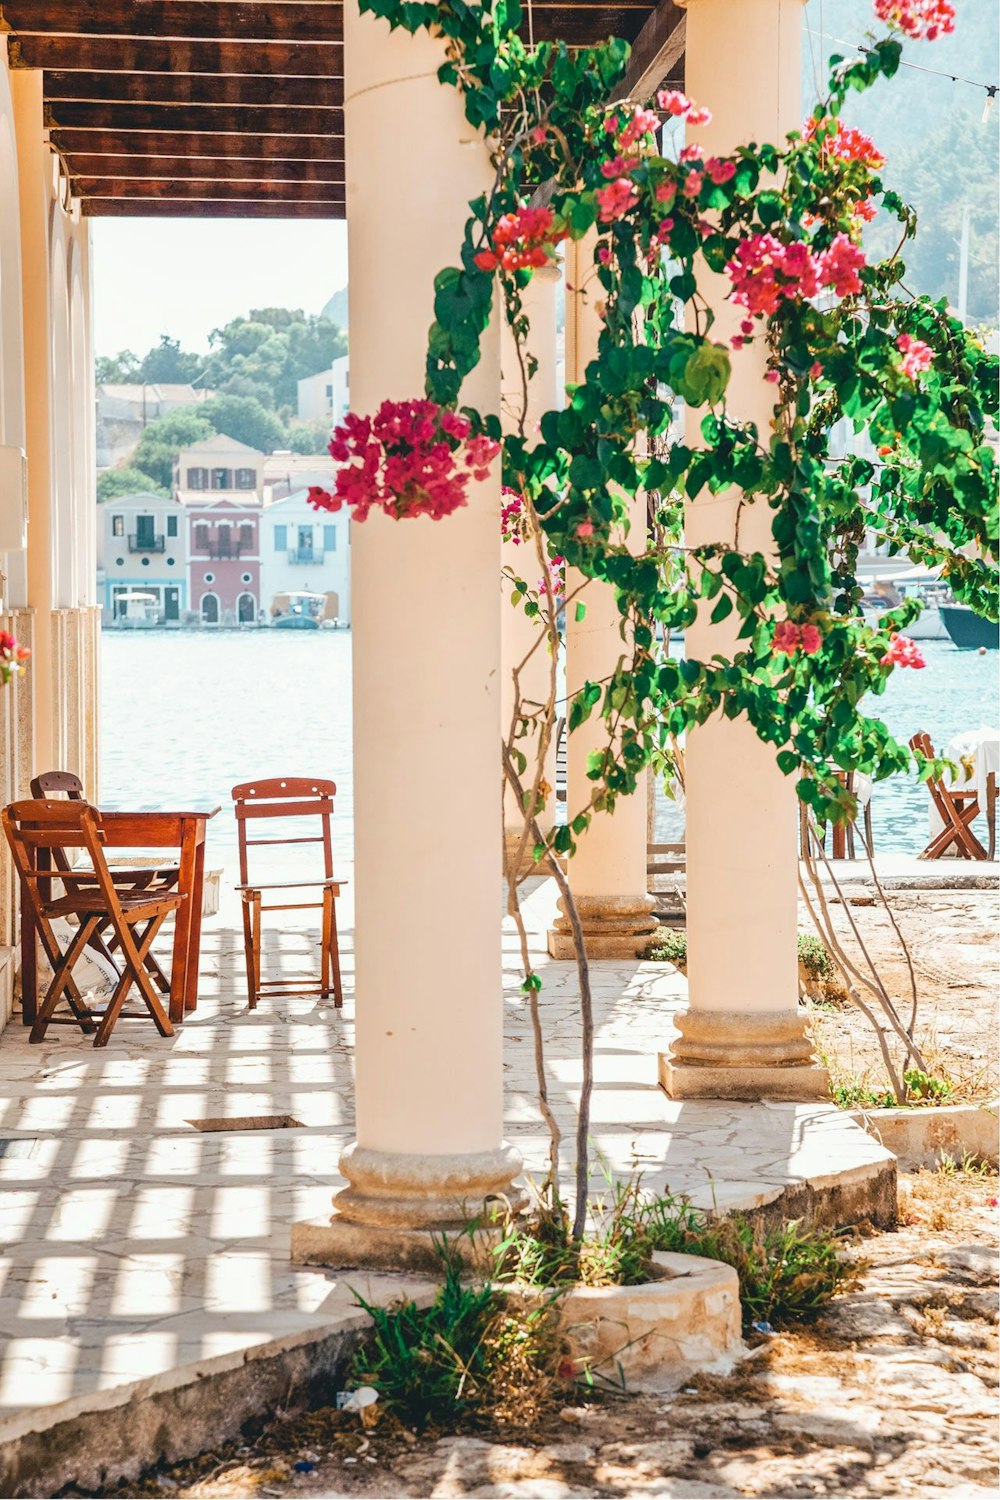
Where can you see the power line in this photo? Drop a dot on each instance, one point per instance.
(990, 89)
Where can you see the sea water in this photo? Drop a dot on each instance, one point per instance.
(186, 715)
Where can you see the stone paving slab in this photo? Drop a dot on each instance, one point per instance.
(139, 1249)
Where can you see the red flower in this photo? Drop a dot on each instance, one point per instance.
(916, 355)
(903, 652)
(917, 18)
(810, 639)
(846, 143)
(839, 266)
(616, 199)
(523, 240)
(786, 637)
(720, 171)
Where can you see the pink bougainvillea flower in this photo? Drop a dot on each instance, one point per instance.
(539, 134)
(585, 529)
(720, 171)
(603, 254)
(486, 260)
(839, 266)
(698, 115)
(666, 191)
(616, 200)
(846, 143)
(918, 19)
(692, 186)
(642, 123)
(786, 637)
(522, 240)
(810, 639)
(694, 152)
(405, 460)
(673, 102)
(663, 229)
(611, 125)
(772, 377)
(916, 355)
(616, 167)
(903, 652)
(556, 578)
(865, 209)
(512, 516)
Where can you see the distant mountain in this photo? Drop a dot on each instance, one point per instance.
(336, 309)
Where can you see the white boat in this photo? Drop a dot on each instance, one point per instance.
(301, 610)
(924, 584)
(137, 611)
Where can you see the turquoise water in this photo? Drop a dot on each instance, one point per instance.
(185, 716)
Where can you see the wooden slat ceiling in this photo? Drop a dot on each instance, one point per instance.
(229, 108)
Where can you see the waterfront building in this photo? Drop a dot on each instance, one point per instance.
(305, 551)
(224, 561)
(142, 545)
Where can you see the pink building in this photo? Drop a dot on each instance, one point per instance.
(224, 560)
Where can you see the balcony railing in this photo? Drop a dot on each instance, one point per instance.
(306, 555)
(157, 543)
(223, 551)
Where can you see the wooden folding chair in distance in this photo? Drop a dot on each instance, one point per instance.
(90, 896)
(128, 878)
(956, 809)
(289, 797)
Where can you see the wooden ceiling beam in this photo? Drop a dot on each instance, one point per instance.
(204, 168)
(238, 91)
(118, 54)
(212, 20)
(209, 145)
(225, 119)
(137, 189)
(657, 49)
(178, 208)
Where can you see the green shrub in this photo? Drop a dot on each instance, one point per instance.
(463, 1359)
(668, 947)
(814, 958)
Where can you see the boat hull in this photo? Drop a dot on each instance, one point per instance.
(295, 622)
(970, 631)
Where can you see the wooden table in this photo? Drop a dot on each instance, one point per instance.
(149, 828)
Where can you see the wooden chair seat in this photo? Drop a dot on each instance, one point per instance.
(299, 798)
(42, 835)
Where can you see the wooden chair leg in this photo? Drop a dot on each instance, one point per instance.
(135, 972)
(64, 983)
(324, 945)
(248, 947)
(256, 925)
(338, 987)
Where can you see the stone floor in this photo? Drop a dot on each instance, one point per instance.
(138, 1247)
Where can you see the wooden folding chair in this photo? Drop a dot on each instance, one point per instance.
(128, 879)
(41, 831)
(843, 834)
(289, 797)
(956, 809)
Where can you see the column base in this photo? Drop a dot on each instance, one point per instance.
(724, 1054)
(613, 927)
(341, 1242)
(397, 1208)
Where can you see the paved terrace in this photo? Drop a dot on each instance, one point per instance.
(140, 1251)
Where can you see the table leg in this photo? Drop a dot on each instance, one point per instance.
(182, 927)
(29, 963)
(194, 943)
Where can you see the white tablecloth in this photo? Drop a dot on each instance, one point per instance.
(976, 753)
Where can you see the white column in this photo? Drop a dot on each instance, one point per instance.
(426, 630)
(607, 874)
(519, 634)
(34, 173)
(741, 1036)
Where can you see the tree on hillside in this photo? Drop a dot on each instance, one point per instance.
(246, 420)
(127, 481)
(168, 363)
(265, 354)
(308, 437)
(163, 439)
(116, 369)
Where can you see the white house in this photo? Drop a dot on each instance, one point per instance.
(326, 397)
(305, 551)
(142, 547)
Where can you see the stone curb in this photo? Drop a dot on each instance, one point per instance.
(926, 1136)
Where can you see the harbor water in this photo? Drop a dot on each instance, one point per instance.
(187, 714)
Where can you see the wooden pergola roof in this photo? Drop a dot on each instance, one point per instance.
(234, 107)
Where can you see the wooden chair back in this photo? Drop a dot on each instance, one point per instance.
(957, 809)
(50, 783)
(284, 797)
(56, 827)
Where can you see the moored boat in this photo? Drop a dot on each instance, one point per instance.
(969, 631)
